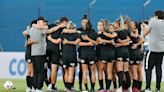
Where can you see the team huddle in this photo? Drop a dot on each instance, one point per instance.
(114, 51)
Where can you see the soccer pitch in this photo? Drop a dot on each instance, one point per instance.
(21, 85)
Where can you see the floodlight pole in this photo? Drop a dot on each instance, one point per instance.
(143, 12)
(38, 11)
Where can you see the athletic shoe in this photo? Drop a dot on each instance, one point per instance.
(28, 89)
(33, 89)
(68, 90)
(157, 90)
(39, 90)
(73, 89)
(49, 88)
(108, 91)
(114, 89)
(135, 89)
(65, 89)
(92, 90)
(129, 90)
(146, 90)
(85, 91)
(119, 89)
(101, 90)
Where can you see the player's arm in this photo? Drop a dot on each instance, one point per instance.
(100, 40)
(135, 35)
(76, 42)
(30, 42)
(85, 37)
(125, 40)
(113, 35)
(55, 41)
(24, 33)
(121, 44)
(140, 42)
(85, 44)
(55, 28)
(71, 31)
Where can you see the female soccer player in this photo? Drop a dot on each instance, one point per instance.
(102, 52)
(69, 57)
(30, 71)
(122, 54)
(87, 54)
(136, 56)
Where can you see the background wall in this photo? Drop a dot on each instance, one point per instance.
(15, 15)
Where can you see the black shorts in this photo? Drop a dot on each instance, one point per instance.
(136, 56)
(87, 58)
(69, 62)
(122, 54)
(134, 62)
(87, 61)
(28, 58)
(106, 54)
(53, 56)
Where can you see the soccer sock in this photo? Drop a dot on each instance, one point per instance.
(93, 86)
(80, 79)
(108, 83)
(124, 84)
(72, 84)
(114, 84)
(128, 81)
(101, 84)
(120, 78)
(134, 83)
(139, 85)
(86, 86)
(65, 84)
(53, 86)
(32, 81)
(69, 85)
(28, 81)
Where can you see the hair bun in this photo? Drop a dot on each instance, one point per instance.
(85, 16)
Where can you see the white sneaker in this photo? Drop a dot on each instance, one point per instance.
(157, 90)
(148, 90)
(38, 90)
(119, 89)
(129, 89)
(28, 89)
(33, 89)
(85, 91)
(49, 88)
(65, 89)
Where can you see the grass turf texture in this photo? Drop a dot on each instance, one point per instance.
(21, 85)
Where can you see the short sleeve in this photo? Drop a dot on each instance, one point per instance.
(28, 31)
(78, 36)
(61, 36)
(149, 27)
(95, 36)
(128, 32)
(44, 31)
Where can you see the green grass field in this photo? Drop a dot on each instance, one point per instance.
(21, 85)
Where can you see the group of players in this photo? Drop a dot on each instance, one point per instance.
(115, 50)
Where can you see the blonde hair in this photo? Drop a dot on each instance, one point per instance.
(71, 25)
(106, 25)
